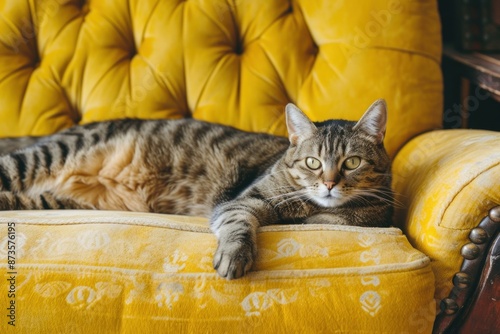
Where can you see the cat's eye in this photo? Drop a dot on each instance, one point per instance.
(313, 163)
(352, 163)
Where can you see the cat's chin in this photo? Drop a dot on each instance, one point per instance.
(328, 201)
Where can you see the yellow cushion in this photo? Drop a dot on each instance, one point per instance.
(81, 271)
(236, 63)
(446, 181)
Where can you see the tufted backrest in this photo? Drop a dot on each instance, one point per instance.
(235, 62)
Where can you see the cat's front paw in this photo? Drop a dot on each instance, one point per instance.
(233, 259)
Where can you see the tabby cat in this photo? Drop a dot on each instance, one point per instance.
(332, 172)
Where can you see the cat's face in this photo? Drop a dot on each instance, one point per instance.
(336, 162)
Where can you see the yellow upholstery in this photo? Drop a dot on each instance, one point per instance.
(64, 62)
(111, 272)
(235, 63)
(446, 181)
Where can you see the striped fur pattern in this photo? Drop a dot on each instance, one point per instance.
(334, 172)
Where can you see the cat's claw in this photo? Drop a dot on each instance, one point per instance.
(233, 260)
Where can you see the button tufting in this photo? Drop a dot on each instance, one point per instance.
(238, 48)
(85, 9)
(132, 53)
(315, 50)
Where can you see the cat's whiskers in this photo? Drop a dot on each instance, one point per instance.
(308, 199)
(289, 201)
(287, 197)
(361, 198)
(287, 194)
(384, 196)
(389, 196)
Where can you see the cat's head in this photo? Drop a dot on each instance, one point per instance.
(337, 162)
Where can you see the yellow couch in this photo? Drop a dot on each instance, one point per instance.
(64, 62)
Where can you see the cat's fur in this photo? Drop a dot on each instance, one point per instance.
(240, 180)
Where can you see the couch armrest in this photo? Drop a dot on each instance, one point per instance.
(445, 183)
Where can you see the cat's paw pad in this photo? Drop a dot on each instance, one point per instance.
(233, 260)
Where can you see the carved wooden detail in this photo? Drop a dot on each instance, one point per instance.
(472, 305)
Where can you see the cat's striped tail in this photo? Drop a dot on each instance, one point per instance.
(44, 201)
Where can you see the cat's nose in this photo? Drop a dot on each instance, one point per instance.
(329, 184)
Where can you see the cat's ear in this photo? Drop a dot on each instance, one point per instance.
(298, 124)
(374, 121)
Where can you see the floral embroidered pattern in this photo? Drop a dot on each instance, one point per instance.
(20, 243)
(85, 297)
(93, 239)
(168, 294)
(370, 300)
(175, 262)
(257, 302)
(290, 247)
(52, 289)
(371, 255)
(100, 269)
